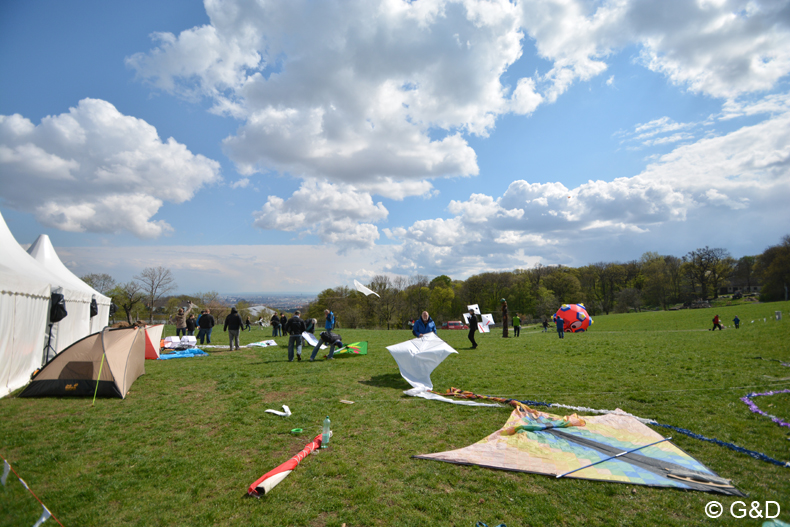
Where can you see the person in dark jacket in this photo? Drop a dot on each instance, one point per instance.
(309, 325)
(423, 325)
(327, 337)
(233, 325)
(560, 326)
(191, 325)
(472, 328)
(247, 324)
(206, 324)
(275, 322)
(283, 320)
(294, 327)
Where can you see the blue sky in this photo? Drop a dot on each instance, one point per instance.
(296, 146)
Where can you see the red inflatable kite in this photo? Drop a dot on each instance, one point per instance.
(575, 316)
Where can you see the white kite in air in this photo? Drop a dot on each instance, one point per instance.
(362, 289)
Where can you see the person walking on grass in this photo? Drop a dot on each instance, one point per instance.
(423, 325)
(294, 327)
(545, 325)
(736, 321)
(233, 325)
(560, 326)
(247, 324)
(516, 326)
(206, 324)
(472, 328)
(716, 323)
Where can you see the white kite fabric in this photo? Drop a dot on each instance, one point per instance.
(488, 320)
(483, 328)
(362, 289)
(417, 358)
(285, 413)
(312, 339)
(475, 308)
(263, 343)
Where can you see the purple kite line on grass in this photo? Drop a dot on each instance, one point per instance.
(753, 407)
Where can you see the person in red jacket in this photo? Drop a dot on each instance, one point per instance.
(716, 323)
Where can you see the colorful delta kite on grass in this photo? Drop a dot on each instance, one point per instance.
(355, 348)
(575, 316)
(613, 447)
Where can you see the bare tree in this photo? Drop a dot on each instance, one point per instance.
(155, 282)
(101, 282)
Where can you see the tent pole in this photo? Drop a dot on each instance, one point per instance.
(612, 457)
(98, 378)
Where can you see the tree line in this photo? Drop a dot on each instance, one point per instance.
(654, 281)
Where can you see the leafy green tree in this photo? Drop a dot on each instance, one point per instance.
(565, 286)
(744, 272)
(656, 285)
(627, 299)
(129, 299)
(441, 303)
(441, 281)
(773, 267)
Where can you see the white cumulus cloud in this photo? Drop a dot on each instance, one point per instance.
(336, 214)
(95, 169)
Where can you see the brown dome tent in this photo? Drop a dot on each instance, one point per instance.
(118, 355)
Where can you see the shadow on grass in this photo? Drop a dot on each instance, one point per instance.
(388, 380)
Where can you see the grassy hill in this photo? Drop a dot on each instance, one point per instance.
(192, 434)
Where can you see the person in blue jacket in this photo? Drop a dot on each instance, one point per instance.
(329, 325)
(423, 325)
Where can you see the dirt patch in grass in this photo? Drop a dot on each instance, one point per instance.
(274, 397)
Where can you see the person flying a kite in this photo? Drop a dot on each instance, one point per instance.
(423, 325)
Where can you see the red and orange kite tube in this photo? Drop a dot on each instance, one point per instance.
(272, 478)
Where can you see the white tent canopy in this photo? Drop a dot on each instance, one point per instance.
(24, 308)
(43, 251)
(71, 328)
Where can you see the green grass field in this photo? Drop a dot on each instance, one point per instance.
(192, 434)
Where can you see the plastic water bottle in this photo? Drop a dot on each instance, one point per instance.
(325, 435)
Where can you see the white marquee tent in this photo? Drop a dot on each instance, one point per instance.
(43, 251)
(24, 309)
(24, 269)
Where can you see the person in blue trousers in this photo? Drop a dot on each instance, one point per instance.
(560, 326)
